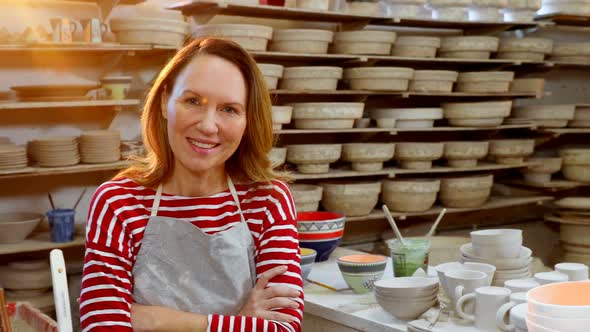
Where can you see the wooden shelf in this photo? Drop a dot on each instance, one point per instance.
(393, 171)
(461, 25)
(553, 186)
(394, 131)
(39, 242)
(405, 94)
(563, 131)
(442, 129)
(86, 48)
(283, 56)
(335, 131)
(493, 203)
(570, 64)
(68, 104)
(565, 19)
(80, 168)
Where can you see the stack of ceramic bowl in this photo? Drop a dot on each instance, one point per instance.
(433, 80)
(484, 81)
(326, 115)
(418, 155)
(26, 278)
(320, 231)
(468, 47)
(379, 78)
(367, 157)
(449, 10)
(150, 25)
(406, 117)
(465, 154)
(307, 258)
(511, 151)
(251, 37)
(363, 42)
(281, 115)
(311, 41)
(521, 10)
(486, 10)
(307, 197)
(416, 46)
(573, 217)
(277, 156)
(272, 74)
(550, 116)
(55, 151)
(531, 49)
(477, 114)
(410, 195)
(565, 7)
(581, 118)
(528, 85)
(100, 146)
(466, 191)
(361, 271)
(12, 157)
(576, 164)
(406, 298)
(540, 169)
(559, 307)
(577, 53)
(15, 227)
(352, 199)
(311, 78)
(313, 158)
(501, 248)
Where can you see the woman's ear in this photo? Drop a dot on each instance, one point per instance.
(164, 103)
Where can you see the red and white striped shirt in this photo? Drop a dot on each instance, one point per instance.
(118, 214)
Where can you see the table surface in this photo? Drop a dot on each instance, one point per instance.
(357, 311)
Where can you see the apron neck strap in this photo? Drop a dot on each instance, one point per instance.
(232, 190)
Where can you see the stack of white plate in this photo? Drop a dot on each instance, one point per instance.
(100, 146)
(55, 151)
(12, 156)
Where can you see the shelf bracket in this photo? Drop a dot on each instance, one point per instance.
(105, 7)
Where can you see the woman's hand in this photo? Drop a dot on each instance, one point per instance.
(152, 318)
(263, 299)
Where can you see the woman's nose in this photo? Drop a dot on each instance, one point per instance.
(207, 124)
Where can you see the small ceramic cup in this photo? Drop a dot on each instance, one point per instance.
(361, 271)
(545, 278)
(574, 271)
(461, 282)
(503, 313)
(521, 285)
(488, 300)
(307, 259)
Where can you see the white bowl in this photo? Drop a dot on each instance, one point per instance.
(15, 227)
(496, 236)
(567, 300)
(522, 261)
(503, 250)
(488, 269)
(559, 324)
(545, 278)
(533, 327)
(406, 287)
(406, 310)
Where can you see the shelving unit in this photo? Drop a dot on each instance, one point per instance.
(46, 171)
(571, 19)
(83, 48)
(39, 242)
(405, 94)
(393, 131)
(114, 104)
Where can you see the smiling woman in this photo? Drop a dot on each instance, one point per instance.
(172, 244)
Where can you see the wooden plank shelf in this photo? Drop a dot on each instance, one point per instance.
(563, 131)
(69, 104)
(393, 171)
(85, 48)
(553, 185)
(404, 94)
(565, 19)
(39, 242)
(335, 131)
(45, 171)
(394, 131)
(496, 202)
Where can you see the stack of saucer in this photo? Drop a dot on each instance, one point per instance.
(100, 146)
(501, 248)
(55, 151)
(12, 156)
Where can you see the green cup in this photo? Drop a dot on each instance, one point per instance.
(409, 257)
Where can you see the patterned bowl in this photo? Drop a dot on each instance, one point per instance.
(361, 271)
(307, 259)
(320, 231)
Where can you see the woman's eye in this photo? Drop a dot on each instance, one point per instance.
(193, 101)
(229, 110)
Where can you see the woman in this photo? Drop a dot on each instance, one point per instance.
(172, 244)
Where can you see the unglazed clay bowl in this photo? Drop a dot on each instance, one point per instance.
(367, 157)
(306, 196)
(410, 195)
(465, 192)
(465, 154)
(350, 198)
(313, 158)
(417, 155)
(15, 227)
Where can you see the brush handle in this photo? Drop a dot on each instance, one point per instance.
(61, 297)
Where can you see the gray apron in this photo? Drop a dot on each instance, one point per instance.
(181, 267)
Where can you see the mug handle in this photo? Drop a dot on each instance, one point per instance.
(73, 26)
(104, 27)
(459, 291)
(459, 307)
(501, 315)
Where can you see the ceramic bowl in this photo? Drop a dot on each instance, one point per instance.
(117, 87)
(34, 275)
(465, 154)
(277, 156)
(272, 73)
(410, 195)
(511, 151)
(557, 324)
(307, 258)
(406, 287)
(326, 115)
(281, 115)
(417, 155)
(545, 278)
(320, 231)
(313, 158)
(306, 196)
(404, 310)
(361, 271)
(465, 192)
(497, 243)
(15, 227)
(350, 198)
(566, 300)
(523, 260)
(367, 157)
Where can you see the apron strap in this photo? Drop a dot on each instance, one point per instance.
(234, 194)
(156, 204)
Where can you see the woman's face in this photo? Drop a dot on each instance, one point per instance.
(206, 113)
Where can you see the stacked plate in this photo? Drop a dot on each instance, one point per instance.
(55, 151)
(54, 92)
(12, 156)
(100, 146)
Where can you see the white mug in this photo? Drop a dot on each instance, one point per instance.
(487, 302)
(545, 278)
(521, 285)
(488, 269)
(575, 271)
(93, 29)
(503, 313)
(461, 282)
(63, 29)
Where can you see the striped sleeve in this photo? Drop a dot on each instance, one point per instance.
(106, 293)
(277, 245)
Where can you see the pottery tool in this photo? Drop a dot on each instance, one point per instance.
(322, 285)
(51, 201)
(4, 318)
(393, 224)
(79, 199)
(61, 298)
(433, 228)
